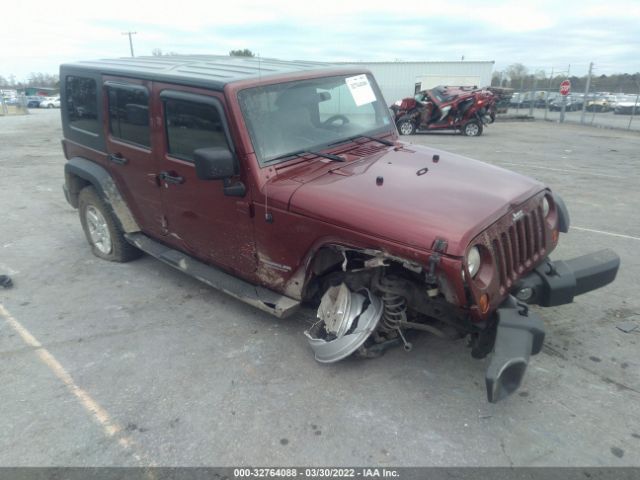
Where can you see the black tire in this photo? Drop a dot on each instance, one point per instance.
(120, 250)
(406, 126)
(472, 128)
(50, 105)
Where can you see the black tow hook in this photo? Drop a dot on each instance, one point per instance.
(519, 334)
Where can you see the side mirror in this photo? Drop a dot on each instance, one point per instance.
(214, 163)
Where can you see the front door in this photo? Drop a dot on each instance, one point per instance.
(128, 139)
(199, 217)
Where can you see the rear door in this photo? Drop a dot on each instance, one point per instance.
(199, 217)
(128, 119)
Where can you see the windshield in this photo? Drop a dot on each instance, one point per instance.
(311, 114)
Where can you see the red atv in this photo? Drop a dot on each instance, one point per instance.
(463, 109)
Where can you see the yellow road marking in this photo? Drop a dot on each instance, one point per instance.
(109, 426)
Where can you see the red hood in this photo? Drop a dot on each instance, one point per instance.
(454, 200)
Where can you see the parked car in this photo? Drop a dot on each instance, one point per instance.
(50, 102)
(33, 101)
(627, 105)
(546, 98)
(573, 103)
(598, 103)
(465, 110)
(521, 99)
(286, 184)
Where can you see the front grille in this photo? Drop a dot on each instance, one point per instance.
(518, 246)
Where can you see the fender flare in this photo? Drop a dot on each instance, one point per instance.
(80, 172)
(563, 213)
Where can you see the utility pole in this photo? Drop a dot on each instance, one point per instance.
(546, 101)
(521, 94)
(586, 93)
(533, 93)
(633, 111)
(564, 98)
(130, 41)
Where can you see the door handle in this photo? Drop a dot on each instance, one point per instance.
(167, 177)
(118, 159)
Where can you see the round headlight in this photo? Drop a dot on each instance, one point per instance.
(545, 206)
(473, 261)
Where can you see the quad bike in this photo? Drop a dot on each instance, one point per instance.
(466, 110)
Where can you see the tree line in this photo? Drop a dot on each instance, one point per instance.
(518, 77)
(35, 79)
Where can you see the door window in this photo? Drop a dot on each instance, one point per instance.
(190, 126)
(129, 114)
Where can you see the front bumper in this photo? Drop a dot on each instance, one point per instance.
(520, 332)
(556, 283)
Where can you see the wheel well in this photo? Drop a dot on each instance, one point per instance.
(74, 185)
(80, 173)
(353, 265)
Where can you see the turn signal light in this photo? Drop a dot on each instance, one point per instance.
(484, 303)
(554, 235)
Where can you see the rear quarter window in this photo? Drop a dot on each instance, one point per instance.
(82, 104)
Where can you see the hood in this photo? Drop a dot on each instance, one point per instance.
(418, 200)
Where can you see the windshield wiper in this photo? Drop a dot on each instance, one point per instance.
(299, 153)
(388, 143)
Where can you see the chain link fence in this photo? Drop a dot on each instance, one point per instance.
(609, 101)
(13, 104)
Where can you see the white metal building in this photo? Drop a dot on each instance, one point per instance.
(398, 79)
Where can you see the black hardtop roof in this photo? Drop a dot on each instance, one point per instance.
(212, 71)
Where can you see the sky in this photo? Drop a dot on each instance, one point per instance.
(38, 36)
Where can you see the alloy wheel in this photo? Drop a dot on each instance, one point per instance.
(98, 229)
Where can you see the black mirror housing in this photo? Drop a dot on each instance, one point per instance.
(215, 163)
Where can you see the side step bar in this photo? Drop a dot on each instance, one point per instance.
(266, 300)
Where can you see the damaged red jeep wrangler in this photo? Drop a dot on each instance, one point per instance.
(284, 183)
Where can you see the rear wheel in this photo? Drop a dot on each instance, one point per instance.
(102, 230)
(472, 128)
(406, 126)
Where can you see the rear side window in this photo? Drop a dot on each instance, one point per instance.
(82, 104)
(191, 126)
(129, 114)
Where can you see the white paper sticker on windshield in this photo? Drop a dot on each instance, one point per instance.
(360, 89)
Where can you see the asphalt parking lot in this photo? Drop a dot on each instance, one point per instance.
(130, 364)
